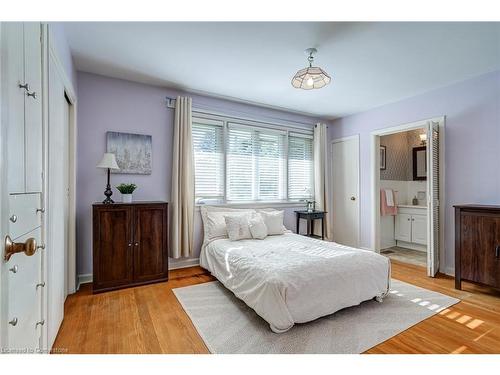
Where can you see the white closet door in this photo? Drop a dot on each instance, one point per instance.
(33, 105)
(13, 99)
(56, 243)
(345, 185)
(433, 188)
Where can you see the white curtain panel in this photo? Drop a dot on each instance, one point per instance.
(182, 194)
(321, 187)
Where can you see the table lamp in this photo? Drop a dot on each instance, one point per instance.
(108, 162)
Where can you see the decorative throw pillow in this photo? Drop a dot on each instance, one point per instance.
(273, 221)
(237, 227)
(257, 227)
(214, 224)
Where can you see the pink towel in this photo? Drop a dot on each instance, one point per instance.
(386, 210)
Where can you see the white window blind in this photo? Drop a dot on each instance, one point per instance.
(255, 164)
(245, 162)
(300, 167)
(208, 146)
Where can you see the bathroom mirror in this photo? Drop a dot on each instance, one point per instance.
(419, 163)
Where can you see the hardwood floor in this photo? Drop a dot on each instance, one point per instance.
(149, 319)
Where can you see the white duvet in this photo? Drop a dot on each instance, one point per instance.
(290, 279)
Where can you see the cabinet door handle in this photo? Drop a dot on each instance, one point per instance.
(137, 244)
(25, 86)
(32, 94)
(497, 251)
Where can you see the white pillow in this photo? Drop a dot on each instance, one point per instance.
(214, 224)
(273, 221)
(268, 209)
(237, 226)
(257, 227)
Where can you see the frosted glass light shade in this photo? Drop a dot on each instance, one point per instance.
(108, 161)
(310, 78)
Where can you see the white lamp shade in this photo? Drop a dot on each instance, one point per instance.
(423, 137)
(108, 161)
(310, 78)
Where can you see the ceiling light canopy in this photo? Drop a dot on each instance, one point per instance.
(312, 77)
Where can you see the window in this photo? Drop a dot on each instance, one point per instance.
(241, 162)
(300, 167)
(255, 164)
(208, 159)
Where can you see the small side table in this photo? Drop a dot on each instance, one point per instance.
(310, 217)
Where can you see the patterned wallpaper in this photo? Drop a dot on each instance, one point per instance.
(399, 163)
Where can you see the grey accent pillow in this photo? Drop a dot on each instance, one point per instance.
(237, 227)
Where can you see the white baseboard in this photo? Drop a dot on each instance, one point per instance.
(450, 271)
(84, 279)
(183, 263)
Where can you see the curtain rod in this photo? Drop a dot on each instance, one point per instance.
(210, 111)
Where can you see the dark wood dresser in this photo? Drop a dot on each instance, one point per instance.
(130, 244)
(477, 244)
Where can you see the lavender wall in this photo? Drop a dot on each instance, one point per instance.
(472, 143)
(63, 51)
(108, 104)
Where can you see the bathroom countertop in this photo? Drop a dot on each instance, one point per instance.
(411, 206)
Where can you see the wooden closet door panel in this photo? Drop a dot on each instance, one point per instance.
(113, 247)
(150, 254)
(480, 236)
(492, 261)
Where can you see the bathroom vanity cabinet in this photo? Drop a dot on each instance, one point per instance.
(410, 229)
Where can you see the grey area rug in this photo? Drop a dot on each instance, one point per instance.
(227, 325)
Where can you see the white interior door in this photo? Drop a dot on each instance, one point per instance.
(21, 273)
(57, 202)
(345, 188)
(433, 190)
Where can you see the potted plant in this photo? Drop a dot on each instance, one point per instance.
(126, 190)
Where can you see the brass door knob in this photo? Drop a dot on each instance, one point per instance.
(28, 247)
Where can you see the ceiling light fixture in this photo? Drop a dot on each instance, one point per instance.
(312, 77)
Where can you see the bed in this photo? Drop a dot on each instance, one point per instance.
(290, 278)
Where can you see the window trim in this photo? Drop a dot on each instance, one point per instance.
(287, 130)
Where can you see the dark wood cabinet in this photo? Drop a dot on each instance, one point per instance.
(130, 244)
(477, 244)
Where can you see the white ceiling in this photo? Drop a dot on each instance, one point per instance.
(371, 64)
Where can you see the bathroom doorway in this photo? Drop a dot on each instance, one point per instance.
(407, 188)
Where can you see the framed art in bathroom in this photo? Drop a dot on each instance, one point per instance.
(383, 158)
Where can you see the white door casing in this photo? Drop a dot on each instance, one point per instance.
(56, 203)
(345, 190)
(439, 124)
